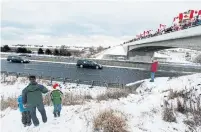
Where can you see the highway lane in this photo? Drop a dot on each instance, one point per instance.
(107, 74)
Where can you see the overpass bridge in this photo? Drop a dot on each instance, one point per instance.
(143, 50)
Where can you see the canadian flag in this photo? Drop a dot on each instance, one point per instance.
(144, 33)
(148, 32)
(162, 26)
(180, 16)
(197, 13)
(191, 14)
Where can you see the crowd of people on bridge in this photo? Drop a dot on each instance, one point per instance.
(183, 21)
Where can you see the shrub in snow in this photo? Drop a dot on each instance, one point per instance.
(168, 113)
(8, 102)
(88, 97)
(113, 93)
(110, 121)
(180, 106)
(46, 99)
(71, 99)
(197, 59)
(10, 80)
(186, 101)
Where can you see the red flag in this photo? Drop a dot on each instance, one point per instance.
(144, 33)
(199, 13)
(162, 26)
(180, 16)
(191, 14)
(148, 32)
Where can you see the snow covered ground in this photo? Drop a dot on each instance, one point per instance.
(143, 109)
(175, 55)
(178, 55)
(15, 89)
(117, 50)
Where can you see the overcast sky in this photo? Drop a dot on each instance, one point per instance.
(85, 22)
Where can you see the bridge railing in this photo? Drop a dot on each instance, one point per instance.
(51, 80)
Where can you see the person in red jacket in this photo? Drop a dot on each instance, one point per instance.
(154, 68)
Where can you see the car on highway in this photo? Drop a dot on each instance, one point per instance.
(88, 64)
(17, 59)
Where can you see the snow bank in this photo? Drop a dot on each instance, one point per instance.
(143, 110)
(117, 50)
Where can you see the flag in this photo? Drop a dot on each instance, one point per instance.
(144, 33)
(180, 16)
(148, 32)
(162, 26)
(199, 12)
(191, 14)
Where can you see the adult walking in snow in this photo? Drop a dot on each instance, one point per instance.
(154, 68)
(32, 98)
(56, 100)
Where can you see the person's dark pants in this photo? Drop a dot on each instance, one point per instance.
(26, 118)
(42, 111)
(57, 108)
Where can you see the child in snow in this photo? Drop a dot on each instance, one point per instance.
(26, 116)
(56, 99)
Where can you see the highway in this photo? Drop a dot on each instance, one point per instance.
(107, 74)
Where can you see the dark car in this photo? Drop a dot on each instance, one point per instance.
(17, 59)
(88, 64)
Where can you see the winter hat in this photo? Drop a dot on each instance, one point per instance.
(55, 85)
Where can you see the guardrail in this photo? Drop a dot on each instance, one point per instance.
(64, 80)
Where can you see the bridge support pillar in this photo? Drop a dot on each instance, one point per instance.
(140, 56)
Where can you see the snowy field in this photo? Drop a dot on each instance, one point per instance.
(15, 89)
(143, 110)
(174, 55)
(178, 55)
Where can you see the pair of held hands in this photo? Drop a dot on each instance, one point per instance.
(25, 105)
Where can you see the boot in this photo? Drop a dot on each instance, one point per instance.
(55, 115)
(29, 124)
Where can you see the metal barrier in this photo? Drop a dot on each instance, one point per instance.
(64, 80)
